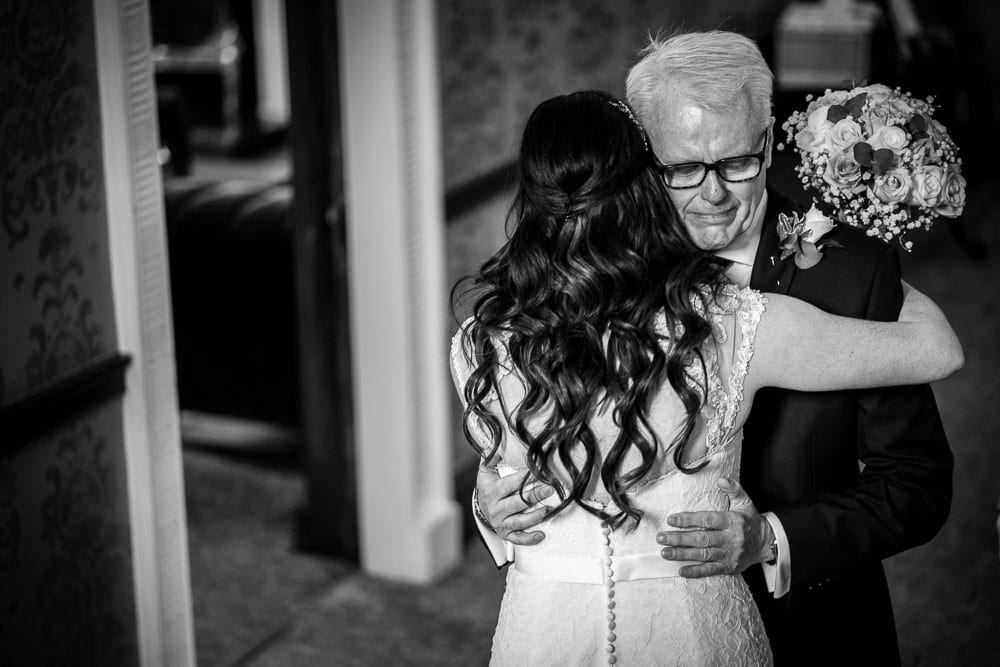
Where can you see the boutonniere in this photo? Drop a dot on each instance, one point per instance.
(802, 236)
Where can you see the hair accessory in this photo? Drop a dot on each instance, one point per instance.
(627, 110)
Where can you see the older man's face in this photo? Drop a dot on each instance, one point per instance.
(716, 212)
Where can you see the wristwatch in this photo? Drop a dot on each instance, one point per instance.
(773, 548)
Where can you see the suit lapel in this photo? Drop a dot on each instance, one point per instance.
(770, 273)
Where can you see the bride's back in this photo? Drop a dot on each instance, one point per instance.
(717, 375)
(587, 589)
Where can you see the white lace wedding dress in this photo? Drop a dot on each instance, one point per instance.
(587, 595)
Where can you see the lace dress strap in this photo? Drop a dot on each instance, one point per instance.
(746, 310)
(463, 362)
(463, 357)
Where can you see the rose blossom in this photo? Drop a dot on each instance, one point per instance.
(808, 141)
(812, 138)
(844, 134)
(843, 172)
(817, 223)
(936, 130)
(836, 96)
(922, 152)
(877, 92)
(827, 100)
(817, 121)
(889, 136)
(876, 116)
(899, 105)
(928, 182)
(893, 186)
(953, 194)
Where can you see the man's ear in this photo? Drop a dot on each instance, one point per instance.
(770, 143)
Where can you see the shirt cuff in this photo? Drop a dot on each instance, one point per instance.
(501, 550)
(778, 574)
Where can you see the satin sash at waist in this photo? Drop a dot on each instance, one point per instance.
(592, 570)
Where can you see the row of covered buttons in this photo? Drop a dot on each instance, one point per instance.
(609, 583)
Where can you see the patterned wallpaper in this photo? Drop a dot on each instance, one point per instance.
(66, 585)
(499, 59)
(55, 310)
(65, 562)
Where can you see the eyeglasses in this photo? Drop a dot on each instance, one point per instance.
(731, 169)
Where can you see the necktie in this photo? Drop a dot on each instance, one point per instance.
(739, 273)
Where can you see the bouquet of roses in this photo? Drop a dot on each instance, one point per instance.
(878, 159)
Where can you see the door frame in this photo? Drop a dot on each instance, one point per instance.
(140, 284)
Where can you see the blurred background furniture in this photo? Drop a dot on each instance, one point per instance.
(221, 79)
(233, 297)
(220, 68)
(824, 44)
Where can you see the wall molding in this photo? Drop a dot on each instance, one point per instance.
(150, 414)
(30, 416)
(476, 191)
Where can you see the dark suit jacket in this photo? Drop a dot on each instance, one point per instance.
(801, 455)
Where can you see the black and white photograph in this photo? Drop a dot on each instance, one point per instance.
(508, 333)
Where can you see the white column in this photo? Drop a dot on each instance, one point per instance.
(408, 521)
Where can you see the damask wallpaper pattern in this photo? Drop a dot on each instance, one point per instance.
(65, 564)
(499, 59)
(66, 584)
(54, 265)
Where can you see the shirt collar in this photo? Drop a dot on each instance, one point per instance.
(743, 249)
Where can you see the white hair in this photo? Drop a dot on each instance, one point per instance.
(713, 69)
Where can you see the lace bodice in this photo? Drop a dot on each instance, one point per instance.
(734, 317)
(557, 591)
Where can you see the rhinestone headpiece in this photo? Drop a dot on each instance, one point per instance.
(627, 110)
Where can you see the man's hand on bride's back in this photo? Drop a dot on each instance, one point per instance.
(508, 514)
(724, 542)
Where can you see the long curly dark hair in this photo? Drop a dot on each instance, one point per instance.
(594, 249)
